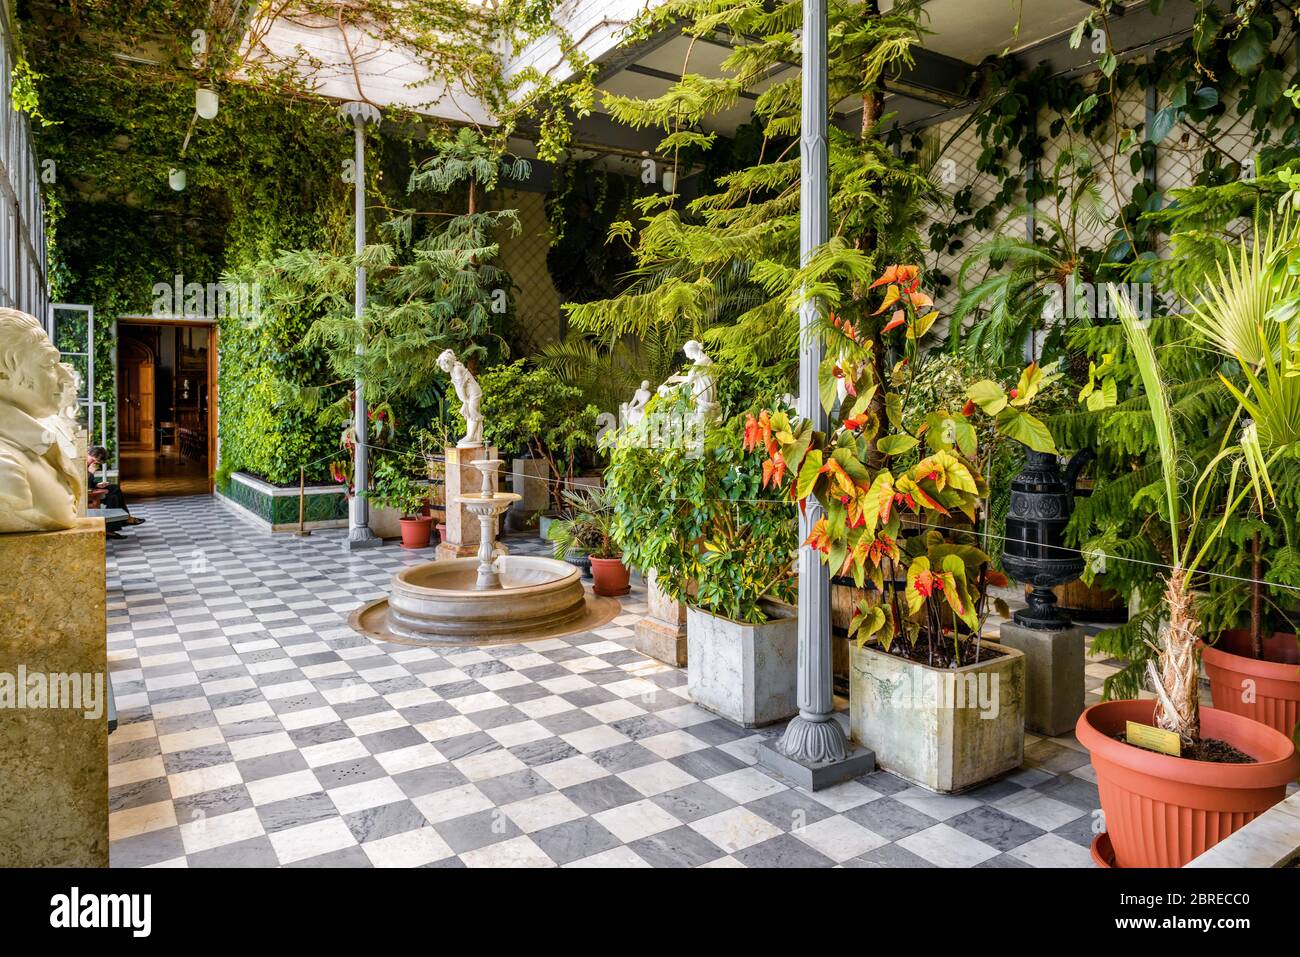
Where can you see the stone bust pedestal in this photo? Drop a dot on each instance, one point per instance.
(54, 743)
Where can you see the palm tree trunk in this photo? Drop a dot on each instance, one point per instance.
(1174, 679)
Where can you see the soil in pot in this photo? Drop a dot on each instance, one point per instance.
(610, 577)
(1207, 749)
(942, 654)
(1267, 688)
(1162, 811)
(416, 531)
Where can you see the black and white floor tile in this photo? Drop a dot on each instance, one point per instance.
(257, 729)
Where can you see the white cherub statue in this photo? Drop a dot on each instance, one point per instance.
(40, 484)
(703, 386)
(634, 411)
(470, 395)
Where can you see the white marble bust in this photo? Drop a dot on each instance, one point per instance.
(470, 395)
(40, 484)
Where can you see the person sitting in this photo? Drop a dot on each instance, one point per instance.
(106, 494)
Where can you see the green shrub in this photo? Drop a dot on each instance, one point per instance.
(703, 521)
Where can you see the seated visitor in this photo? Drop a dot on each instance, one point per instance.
(106, 494)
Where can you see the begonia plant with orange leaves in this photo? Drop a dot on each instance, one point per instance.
(901, 507)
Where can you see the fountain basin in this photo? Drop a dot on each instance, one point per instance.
(439, 599)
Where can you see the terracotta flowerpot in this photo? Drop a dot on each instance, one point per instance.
(442, 531)
(610, 577)
(1266, 689)
(1162, 811)
(416, 531)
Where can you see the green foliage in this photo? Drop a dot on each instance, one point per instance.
(395, 488)
(724, 267)
(531, 411)
(703, 520)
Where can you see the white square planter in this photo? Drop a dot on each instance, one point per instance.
(944, 729)
(742, 672)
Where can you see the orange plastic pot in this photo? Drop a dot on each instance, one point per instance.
(610, 577)
(416, 531)
(1162, 811)
(1266, 689)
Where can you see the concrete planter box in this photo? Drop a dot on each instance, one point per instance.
(945, 729)
(742, 672)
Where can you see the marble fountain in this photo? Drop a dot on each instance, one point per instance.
(490, 598)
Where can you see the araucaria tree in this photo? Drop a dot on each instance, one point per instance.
(433, 284)
(724, 267)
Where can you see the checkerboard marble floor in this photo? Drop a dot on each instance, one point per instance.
(256, 729)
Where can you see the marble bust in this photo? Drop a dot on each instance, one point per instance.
(470, 395)
(40, 483)
(700, 382)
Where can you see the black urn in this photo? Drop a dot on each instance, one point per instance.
(1035, 553)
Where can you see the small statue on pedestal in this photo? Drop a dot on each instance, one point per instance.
(470, 395)
(40, 484)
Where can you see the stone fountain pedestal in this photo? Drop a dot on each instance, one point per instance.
(462, 478)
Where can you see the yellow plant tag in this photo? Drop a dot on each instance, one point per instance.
(1157, 739)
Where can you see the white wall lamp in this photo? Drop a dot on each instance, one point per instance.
(206, 103)
(176, 179)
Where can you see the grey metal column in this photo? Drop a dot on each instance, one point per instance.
(814, 751)
(359, 533)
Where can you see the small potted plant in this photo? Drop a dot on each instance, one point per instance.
(1175, 778)
(586, 533)
(394, 489)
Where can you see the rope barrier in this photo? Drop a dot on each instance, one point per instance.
(1087, 555)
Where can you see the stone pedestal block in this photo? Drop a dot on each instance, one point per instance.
(462, 536)
(661, 634)
(531, 479)
(53, 699)
(1054, 689)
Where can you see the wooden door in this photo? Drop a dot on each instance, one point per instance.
(147, 404)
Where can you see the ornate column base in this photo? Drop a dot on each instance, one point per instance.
(360, 536)
(814, 754)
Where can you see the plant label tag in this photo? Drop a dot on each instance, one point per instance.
(1157, 739)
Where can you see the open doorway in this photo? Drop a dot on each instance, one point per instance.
(165, 408)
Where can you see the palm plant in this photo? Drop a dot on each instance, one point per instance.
(587, 527)
(1173, 676)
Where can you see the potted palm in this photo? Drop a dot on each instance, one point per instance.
(1217, 770)
(939, 705)
(1251, 316)
(586, 533)
(396, 490)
